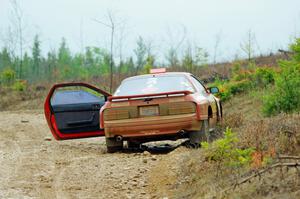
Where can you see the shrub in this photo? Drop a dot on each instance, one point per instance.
(236, 87)
(19, 85)
(7, 76)
(263, 77)
(224, 93)
(225, 151)
(286, 94)
(230, 88)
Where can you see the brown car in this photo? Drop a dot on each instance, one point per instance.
(157, 106)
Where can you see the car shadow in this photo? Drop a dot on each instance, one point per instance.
(155, 148)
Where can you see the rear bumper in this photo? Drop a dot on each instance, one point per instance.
(152, 126)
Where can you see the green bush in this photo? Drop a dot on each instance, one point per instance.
(7, 76)
(263, 77)
(226, 151)
(224, 94)
(19, 85)
(286, 94)
(244, 81)
(230, 88)
(236, 87)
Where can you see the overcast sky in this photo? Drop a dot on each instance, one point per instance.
(274, 23)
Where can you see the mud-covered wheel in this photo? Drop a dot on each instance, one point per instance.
(135, 145)
(113, 146)
(196, 137)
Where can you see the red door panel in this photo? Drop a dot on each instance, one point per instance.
(72, 110)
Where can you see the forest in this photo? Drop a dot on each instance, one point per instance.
(94, 62)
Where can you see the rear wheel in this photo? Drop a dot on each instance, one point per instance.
(131, 144)
(113, 145)
(203, 135)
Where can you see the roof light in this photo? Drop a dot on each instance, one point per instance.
(157, 70)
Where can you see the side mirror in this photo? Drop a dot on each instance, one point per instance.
(213, 90)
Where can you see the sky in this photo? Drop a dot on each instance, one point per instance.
(162, 23)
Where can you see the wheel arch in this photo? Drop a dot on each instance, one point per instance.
(209, 112)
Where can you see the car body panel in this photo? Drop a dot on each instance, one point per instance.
(143, 117)
(145, 127)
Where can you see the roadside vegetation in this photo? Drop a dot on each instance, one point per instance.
(281, 85)
(258, 154)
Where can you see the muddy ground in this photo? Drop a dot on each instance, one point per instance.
(34, 165)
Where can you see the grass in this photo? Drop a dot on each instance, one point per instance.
(31, 98)
(268, 137)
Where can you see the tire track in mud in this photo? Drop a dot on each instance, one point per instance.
(34, 167)
(59, 175)
(57, 184)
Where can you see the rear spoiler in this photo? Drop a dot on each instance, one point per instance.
(154, 95)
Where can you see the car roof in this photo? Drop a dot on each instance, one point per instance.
(158, 74)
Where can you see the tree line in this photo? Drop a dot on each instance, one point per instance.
(62, 64)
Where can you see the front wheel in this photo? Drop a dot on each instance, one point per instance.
(113, 145)
(203, 135)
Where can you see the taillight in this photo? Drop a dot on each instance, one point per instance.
(181, 108)
(115, 114)
(130, 112)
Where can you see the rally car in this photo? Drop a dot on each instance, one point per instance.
(157, 106)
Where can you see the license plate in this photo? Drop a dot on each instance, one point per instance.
(148, 111)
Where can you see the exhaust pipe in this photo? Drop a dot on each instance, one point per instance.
(119, 138)
(182, 132)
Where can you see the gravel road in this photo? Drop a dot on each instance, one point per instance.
(34, 165)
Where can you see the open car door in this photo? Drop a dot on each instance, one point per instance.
(72, 110)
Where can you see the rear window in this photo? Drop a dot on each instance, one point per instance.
(150, 85)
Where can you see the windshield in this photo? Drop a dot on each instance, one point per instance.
(149, 85)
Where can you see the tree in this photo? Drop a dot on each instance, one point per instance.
(140, 53)
(64, 55)
(9, 41)
(5, 59)
(64, 60)
(27, 67)
(194, 57)
(248, 45)
(89, 59)
(149, 64)
(174, 45)
(51, 65)
(150, 57)
(201, 56)
(127, 67)
(18, 24)
(172, 57)
(36, 56)
(112, 26)
(188, 61)
(216, 47)
(121, 38)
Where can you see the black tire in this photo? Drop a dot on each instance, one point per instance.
(203, 135)
(113, 146)
(133, 144)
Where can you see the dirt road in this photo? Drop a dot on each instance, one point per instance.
(34, 165)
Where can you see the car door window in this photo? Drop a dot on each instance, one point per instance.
(198, 84)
